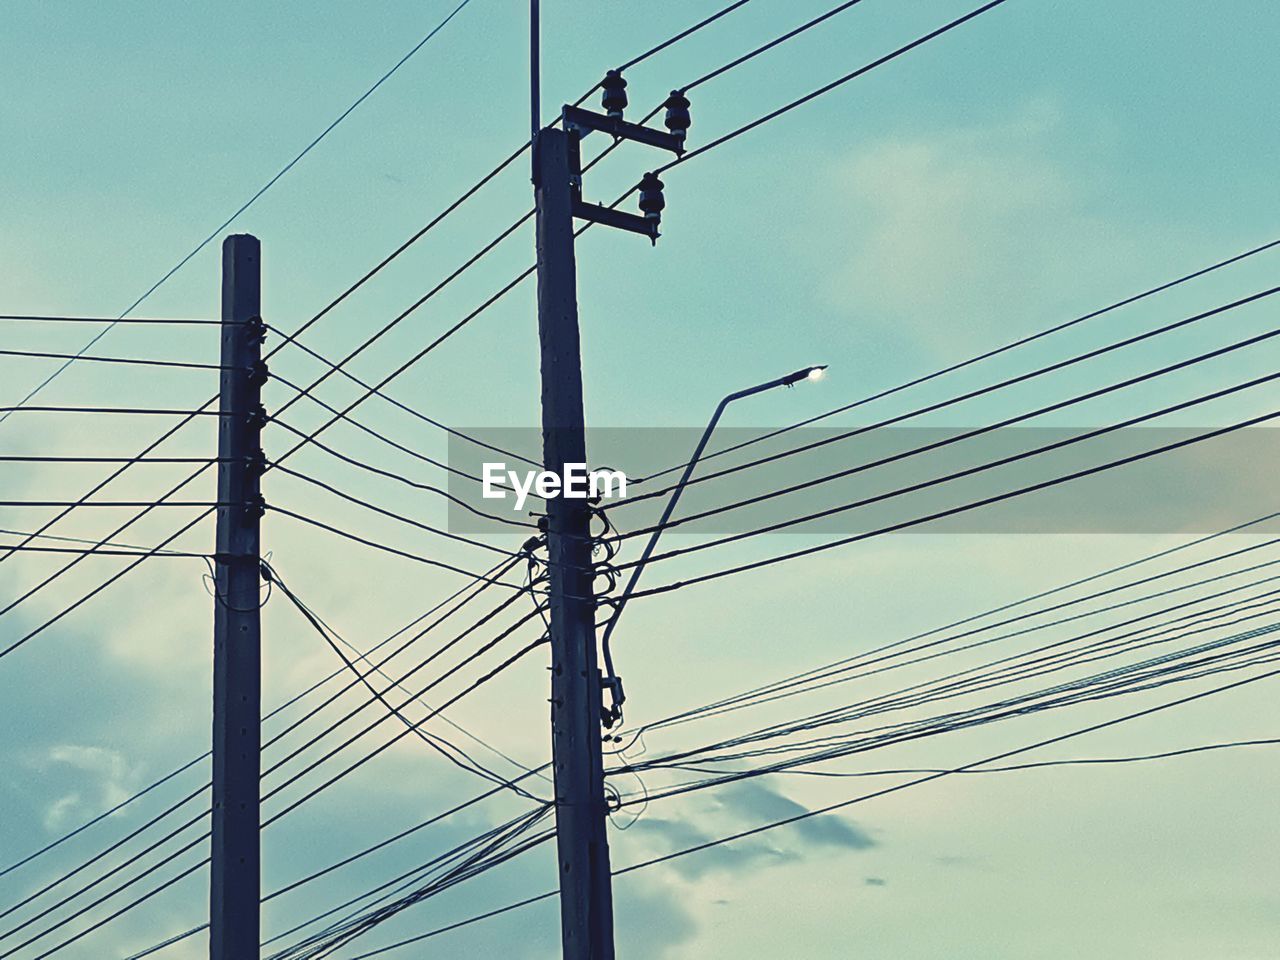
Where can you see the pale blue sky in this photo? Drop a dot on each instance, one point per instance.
(1040, 162)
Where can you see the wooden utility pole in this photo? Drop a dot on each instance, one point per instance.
(586, 900)
(237, 662)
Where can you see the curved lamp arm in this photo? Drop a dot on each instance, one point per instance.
(611, 680)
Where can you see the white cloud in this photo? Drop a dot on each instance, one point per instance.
(958, 234)
(106, 772)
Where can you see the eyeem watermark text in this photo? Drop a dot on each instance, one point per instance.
(577, 483)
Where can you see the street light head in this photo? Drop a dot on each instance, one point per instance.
(808, 373)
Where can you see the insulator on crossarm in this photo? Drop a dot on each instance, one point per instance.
(652, 202)
(614, 100)
(677, 119)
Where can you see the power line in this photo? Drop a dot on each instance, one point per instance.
(837, 666)
(438, 743)
(243, 207)
(376, 388)
(387, 548)
(123, 910)
(1038, 765)
(830, 808)
(421, 665)
(395, 838)
(766, 47)
(103, 552)
(954, 511)
(129, 411)
(483, 306)
(417, 414)
(32, 458)
(401, 478)
(182, 828)
(487, 857)
(995, 758)
(1076, 693)
(169, 321)
(986, 676)
(687, 32)
(408, 521)
(113, 503)
(106, 814)
(827, 88)
(821, 678)
(994, 387)
(501, 667)
(181, 364)
(499, 568)
(966, 434)
(377, 435)
(985, 355)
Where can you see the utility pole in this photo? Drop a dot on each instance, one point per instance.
(237, 662)
(586, 899)
(577, 713)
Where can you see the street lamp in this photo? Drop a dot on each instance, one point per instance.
(612, 680)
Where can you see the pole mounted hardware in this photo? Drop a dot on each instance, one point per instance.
(614, 100)
(578, 123)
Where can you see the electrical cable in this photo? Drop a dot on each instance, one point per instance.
(399, 405)
(829, 808)
(401, 478)
(997, 386)
(436, 743)
(984, 677)
(837, 666)
(497, 568)
(1135, 638)
(827, 88)
(512, 284)
(1175, 667)
(954, 511)
(475, 685)
(352, 498)
(978, 358)
(822, 678)
(969, 434)
(245, 206)
(142, 361)
(386, 548)
(38, 318)
(105, 552)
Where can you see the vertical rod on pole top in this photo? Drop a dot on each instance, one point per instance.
(535, 79)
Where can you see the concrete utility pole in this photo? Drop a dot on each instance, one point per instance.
(237, 664)
(577, 712)
(586, 899)
(581, 812)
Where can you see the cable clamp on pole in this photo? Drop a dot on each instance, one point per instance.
(256, 330)
(258, 373)
(255, 507)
